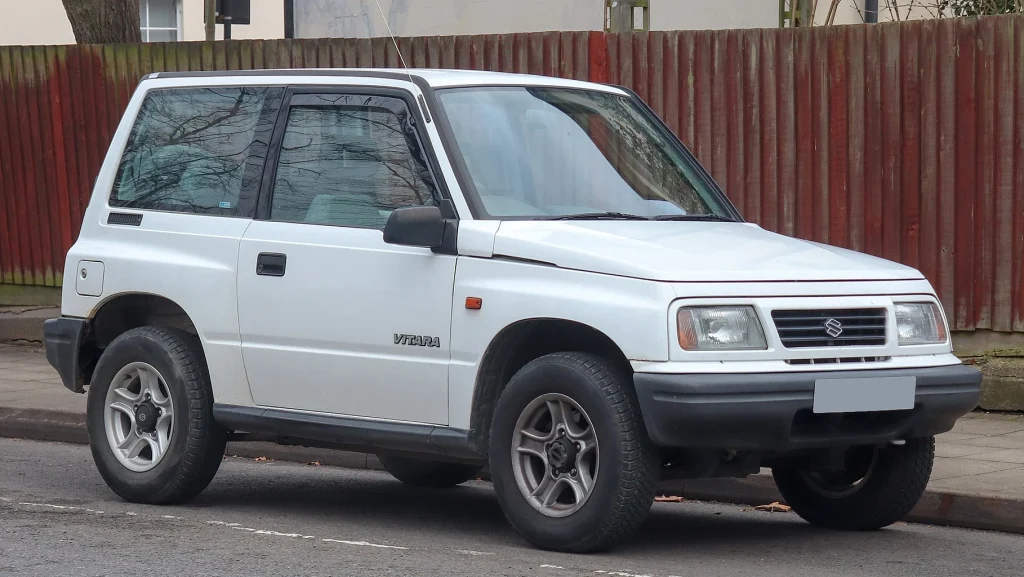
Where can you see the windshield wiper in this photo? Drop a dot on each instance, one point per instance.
(597, 216)
(693, 217)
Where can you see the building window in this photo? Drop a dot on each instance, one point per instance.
(160, 20)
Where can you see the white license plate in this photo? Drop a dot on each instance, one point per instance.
(863, 394)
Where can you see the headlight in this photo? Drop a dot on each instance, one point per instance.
(719, 329)
(919, 324)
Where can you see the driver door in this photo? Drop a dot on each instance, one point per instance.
(325, 305)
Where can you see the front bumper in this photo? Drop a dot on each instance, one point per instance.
(62, 337)
(774, 411)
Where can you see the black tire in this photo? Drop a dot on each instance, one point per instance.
(196, 444)
(896, 483)
(432, 474)
(628, 462)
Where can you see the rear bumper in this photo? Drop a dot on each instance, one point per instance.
(62, 337)
(774, 411)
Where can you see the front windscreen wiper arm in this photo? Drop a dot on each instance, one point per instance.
(597, 216)
(692, 217)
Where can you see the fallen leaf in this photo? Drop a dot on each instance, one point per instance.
(315, 463)
(664, 499)
(775, 507)
(260, 459)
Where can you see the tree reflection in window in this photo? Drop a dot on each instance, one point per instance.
(541, 152)
(188, 150)
(349, 161)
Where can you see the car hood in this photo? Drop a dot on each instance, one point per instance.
(680, 251)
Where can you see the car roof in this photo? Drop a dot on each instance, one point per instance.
(434, 77)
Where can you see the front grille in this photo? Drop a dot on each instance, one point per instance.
(837, 360)
(830, 328)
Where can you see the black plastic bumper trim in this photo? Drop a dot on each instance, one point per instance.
(62, 338)
(774, 411)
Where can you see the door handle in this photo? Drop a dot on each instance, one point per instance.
(271, 264)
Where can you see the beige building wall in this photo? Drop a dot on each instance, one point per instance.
(45, 22)
(34, 22)
(713, 14)
(362, 18)
(267, 21)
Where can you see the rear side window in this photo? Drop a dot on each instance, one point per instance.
(198, 150)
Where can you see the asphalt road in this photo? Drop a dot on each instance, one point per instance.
(269, 518)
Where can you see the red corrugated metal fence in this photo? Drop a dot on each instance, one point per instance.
(901, 140)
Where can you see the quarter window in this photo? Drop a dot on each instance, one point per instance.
(349, 161)
(197, 150)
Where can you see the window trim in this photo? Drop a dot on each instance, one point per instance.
(255, 161)
(266, 193)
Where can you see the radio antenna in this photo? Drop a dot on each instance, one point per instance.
(393, 41)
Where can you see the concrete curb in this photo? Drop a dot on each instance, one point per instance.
(935, 508)
(24, 324)
(945, 508)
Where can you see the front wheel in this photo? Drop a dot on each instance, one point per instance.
(571, 462)
(876, 487)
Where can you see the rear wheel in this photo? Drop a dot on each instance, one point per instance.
(572, 466)
(875, 488)
(150, 417)
(423, 473)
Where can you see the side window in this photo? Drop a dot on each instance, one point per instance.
(198, 150)
(349, 161)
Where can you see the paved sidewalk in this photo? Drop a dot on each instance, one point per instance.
(983, 457)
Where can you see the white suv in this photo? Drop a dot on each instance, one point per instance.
(455, 269)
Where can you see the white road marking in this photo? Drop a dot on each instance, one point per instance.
(252, 530)
(551, 567)
(468, 552)
(46, 505)
(364, 544)
(623, 574)
(275, 533)
(62, 507)
(262, 531)
(4, 499)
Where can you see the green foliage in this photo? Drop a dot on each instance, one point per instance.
(961, 8)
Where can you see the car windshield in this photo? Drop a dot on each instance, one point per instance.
(549, 153)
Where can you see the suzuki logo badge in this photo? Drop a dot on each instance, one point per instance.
(833, 327)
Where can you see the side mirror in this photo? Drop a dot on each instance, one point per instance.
(415, 226)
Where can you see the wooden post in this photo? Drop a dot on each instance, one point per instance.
(622, 15)
(806, 18)
(211, 20)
